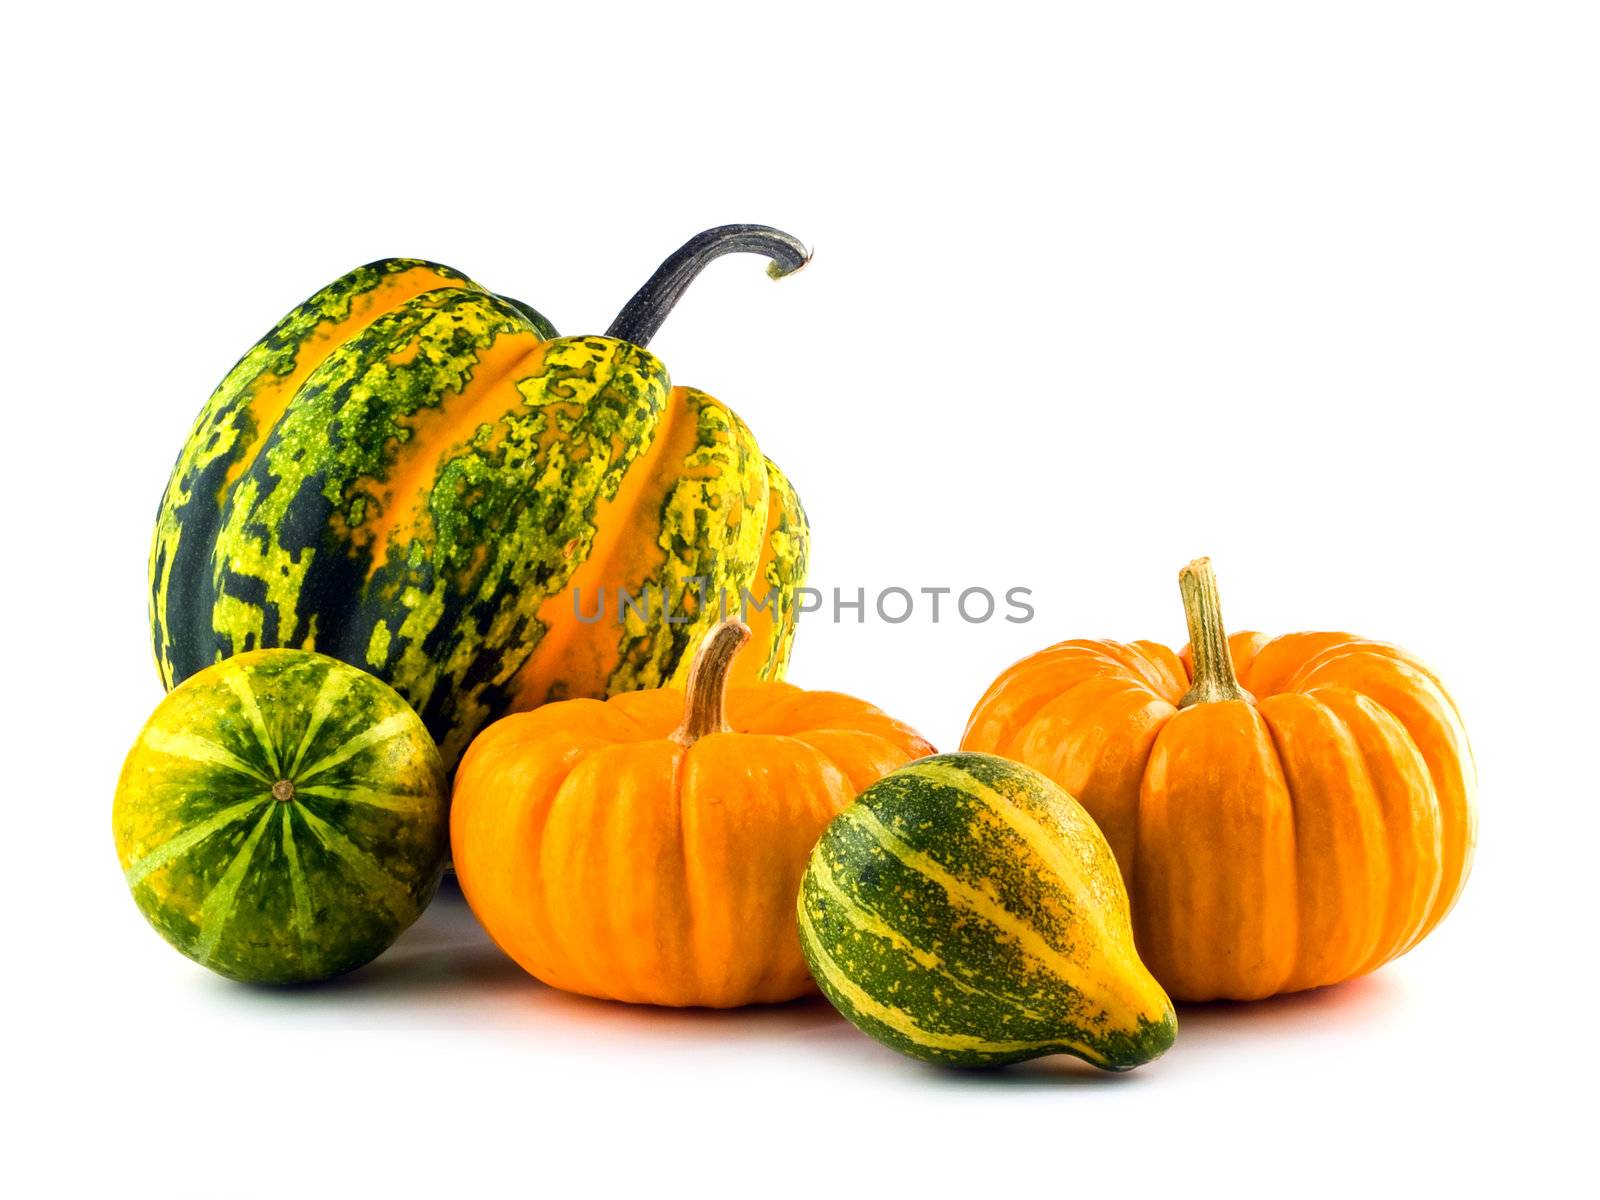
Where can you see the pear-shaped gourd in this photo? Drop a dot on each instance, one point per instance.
(965, 910)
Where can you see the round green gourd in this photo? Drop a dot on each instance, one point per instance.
(283, 817)
(965, 910)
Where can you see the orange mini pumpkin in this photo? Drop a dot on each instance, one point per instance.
(1287, 812)
(649, 847)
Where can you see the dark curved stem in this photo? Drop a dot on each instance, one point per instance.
(641, 318)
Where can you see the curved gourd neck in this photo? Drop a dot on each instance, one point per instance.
(1214, 678)
(704, 694)
(641, 318)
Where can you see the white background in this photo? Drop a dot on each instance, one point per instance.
(1312, 290)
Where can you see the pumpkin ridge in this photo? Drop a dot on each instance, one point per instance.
(577, 966)
(1296, 676)
(286, 525)
(774, 706)
(595, 451)
(1039, 694)
(690, 932)
(1343, 794)
(1393, 944)
(1181, 898)
(1293, 856)
(889, 749)
(495, 629)
(1126, 732)
(1157, 672)
(800, 735)
(284, 377)
(781, 565)
(500, 741)
(610, 549)
(723, 449)
(1027, 712)
(641, 731)
(227, 437)
(1040, 663)
(1382, 917)
(1451, 767)
(318, 457)
(403, 507)
(1398, 925)
(1140, 667)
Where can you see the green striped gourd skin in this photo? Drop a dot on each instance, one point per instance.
(789, 547)
(712, 529)
(966, 911)
(309, 525)
(271, 890)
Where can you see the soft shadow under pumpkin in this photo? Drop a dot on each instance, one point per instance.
(1363, 1000)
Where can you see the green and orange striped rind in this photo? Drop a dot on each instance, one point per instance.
(783, 570)
(184, 580)
(282, 888)
(966, 911)
(409, 471)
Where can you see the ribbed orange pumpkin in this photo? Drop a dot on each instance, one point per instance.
(1287, 813)
(649, 848)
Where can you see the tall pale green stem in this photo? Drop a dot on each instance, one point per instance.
(1208, 640)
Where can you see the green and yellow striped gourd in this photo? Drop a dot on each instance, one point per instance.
(965, 910)
(282, 817)
(419, 477)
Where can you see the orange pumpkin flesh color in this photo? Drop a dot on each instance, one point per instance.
(649, 847)
(1287, 813)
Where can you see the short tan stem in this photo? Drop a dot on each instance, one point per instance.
(283, 791)
(1208, 640)
(708, 682)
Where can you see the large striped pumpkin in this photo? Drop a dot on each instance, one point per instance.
(419, 477)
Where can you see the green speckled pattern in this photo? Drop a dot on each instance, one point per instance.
(303, 883)
(228, 432)
(965, 910)
(787, 561)
(408, 468)
(712, 529)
